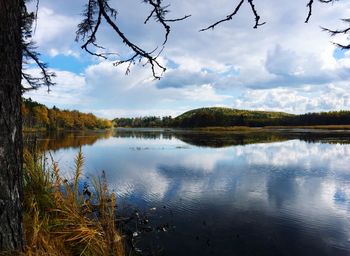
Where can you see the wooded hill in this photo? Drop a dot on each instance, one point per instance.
(38, 116)
(225, 117)
(218, 116)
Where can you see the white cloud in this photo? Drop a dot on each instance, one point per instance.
(285, 65)
(120, 112)
(105, 90)
(55, 32)
(297, 100)
(68, 92)
(111, 89)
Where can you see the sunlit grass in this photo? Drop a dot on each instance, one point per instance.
(269, 128)
(317, 127)
(227, 129)
(60, 220)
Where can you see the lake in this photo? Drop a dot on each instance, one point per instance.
(276, 193)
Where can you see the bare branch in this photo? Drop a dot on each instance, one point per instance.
(88, 28)
(338, 32)
(139, 53)
(343, 46)
(31, 82)
(36, 15)
(87, 25)
(309, 5)
(92, 40)
(159, 12)
(178, 19)
(95, 10)
(149, 16)
(330, 31)
(228, 17)
(257, 17)
(46, 75)
(30, 54)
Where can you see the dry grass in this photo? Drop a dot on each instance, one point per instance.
(317, 127)
(228, 129)
(60, 220)
(269, 128)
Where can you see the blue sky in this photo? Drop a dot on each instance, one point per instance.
(285, 65)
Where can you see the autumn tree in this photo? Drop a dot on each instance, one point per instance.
(41, 116)
(17, 48)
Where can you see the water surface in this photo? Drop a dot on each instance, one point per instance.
(277, 193)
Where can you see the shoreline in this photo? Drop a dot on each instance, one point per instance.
(33, 130)
(333, 128)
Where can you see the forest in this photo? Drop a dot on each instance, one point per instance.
(148, 121)
(36, 116)
(225, 117)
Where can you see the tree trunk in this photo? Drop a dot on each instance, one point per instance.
(11, 233)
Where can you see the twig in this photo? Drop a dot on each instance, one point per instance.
(228, 17)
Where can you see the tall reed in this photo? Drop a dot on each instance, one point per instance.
(62, 219)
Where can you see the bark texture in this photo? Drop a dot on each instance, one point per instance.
(11, 233)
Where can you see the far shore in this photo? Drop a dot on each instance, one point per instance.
(265, 128)
(237, 129)
(43, 129)
(243, 128)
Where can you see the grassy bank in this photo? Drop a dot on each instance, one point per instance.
(29, 129)
(61, 218)
(317, 127)
(270, 128)
(44, 129)
(228, 129)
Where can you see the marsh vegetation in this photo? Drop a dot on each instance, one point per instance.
(62, 216)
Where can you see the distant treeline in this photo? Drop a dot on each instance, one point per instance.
(149, 121)
(224, 117)
(38, 116)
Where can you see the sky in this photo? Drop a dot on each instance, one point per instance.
(285, 65)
